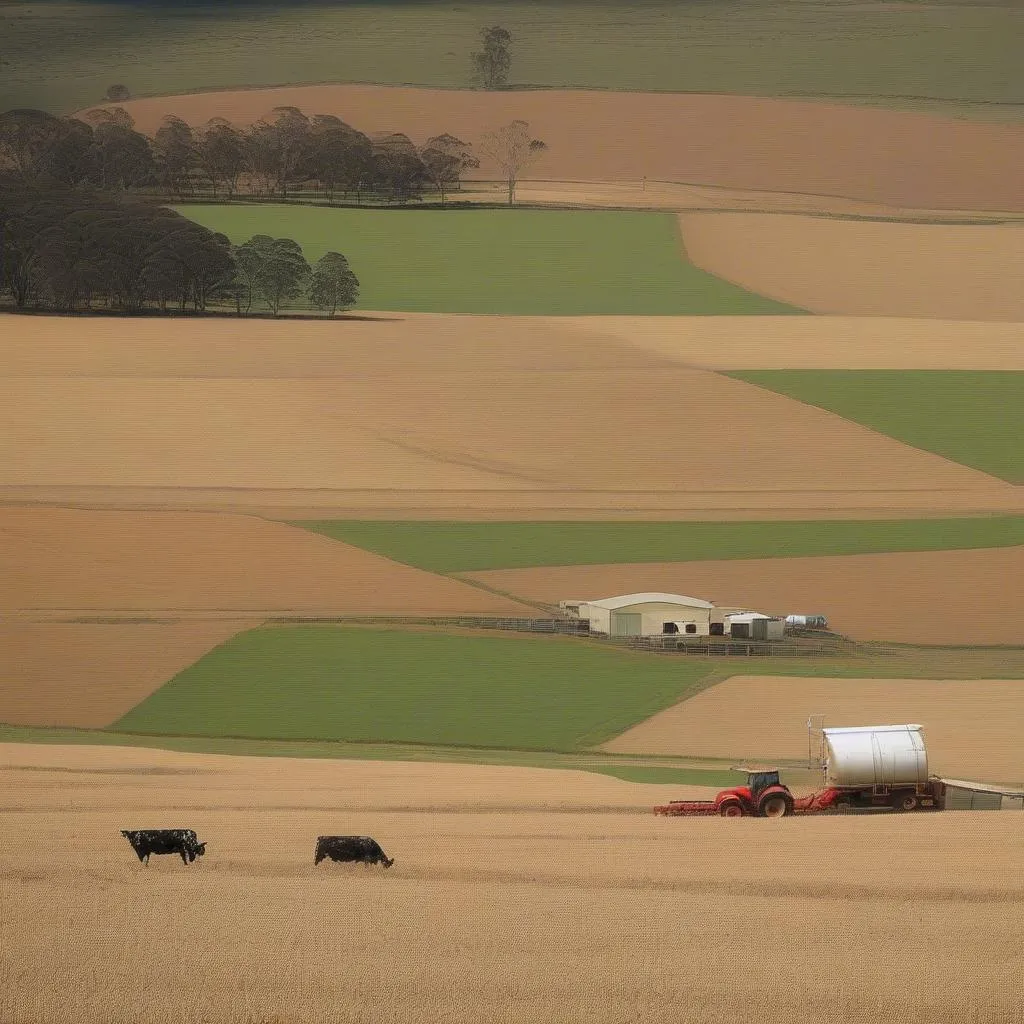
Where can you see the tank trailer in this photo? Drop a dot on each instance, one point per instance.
(880, 766)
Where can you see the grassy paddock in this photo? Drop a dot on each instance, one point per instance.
(392, 686)
(62, 56)
(551, 262)
(974, 418)
(467, 547)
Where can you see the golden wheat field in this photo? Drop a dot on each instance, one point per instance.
(517, 895)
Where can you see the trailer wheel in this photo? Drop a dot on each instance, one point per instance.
(730, 809)
(775, 805)
(904, 802)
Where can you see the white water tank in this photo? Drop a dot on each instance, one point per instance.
(875, 755)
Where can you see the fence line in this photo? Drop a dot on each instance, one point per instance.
(657, 644)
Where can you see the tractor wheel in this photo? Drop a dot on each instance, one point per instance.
(904, 802)
(775, 805)
(730, 809)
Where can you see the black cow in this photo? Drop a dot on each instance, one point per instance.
(183, 841)
(360, 849)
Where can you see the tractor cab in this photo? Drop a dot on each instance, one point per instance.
(758, 782)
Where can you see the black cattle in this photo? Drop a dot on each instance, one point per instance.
(183, 841)
(360, 849)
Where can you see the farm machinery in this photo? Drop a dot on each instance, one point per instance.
(881, 766)
(764, 796)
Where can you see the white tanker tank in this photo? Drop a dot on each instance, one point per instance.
(875, 755)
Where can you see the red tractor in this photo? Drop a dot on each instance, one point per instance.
(764, 796)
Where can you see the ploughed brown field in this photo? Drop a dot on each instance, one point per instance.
(48, 346)
(516, 894)
(87, 675)
(818, 342)
(452, 415)
(900, 159)
(194, 579)
(865, 268)
(207, 565)
(973, 726)
(927, 597)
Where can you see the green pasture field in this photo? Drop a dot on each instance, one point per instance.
(975, 418)
(394, 686)
(469, 547)
(546, 262)
(61, 55)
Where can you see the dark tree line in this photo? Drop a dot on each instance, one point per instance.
(73, 250)
(284, 155)
(65, 250)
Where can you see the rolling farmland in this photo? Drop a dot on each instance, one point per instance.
(242, 557)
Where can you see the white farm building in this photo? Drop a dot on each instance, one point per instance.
(648, 615)
(656, 614)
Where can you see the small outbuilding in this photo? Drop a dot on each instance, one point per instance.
(648, 614)
(755, 626)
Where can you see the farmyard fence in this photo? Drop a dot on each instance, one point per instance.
(659, 644)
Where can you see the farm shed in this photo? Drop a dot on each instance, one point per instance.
(980, 796)
(755, 626)
(648, 615)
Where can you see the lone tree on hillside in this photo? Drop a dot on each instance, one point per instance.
(333, 286)
(118, 93)
(512, 149)
(492, 63)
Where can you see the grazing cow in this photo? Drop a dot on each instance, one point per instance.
(183, 841)
(360, 849)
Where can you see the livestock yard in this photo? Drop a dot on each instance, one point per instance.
(751, 331)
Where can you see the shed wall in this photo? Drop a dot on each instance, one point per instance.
(653, 616)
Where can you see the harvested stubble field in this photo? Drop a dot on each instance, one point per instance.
(911, 160)
(427, 415)
(59, 346)
(58, 562)
(89, 674)
(865, 268)
(972, 726)
(930, 597)
(500, 904)
(453, 431)
(974, 418)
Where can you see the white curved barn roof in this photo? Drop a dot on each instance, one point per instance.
(629, 599)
